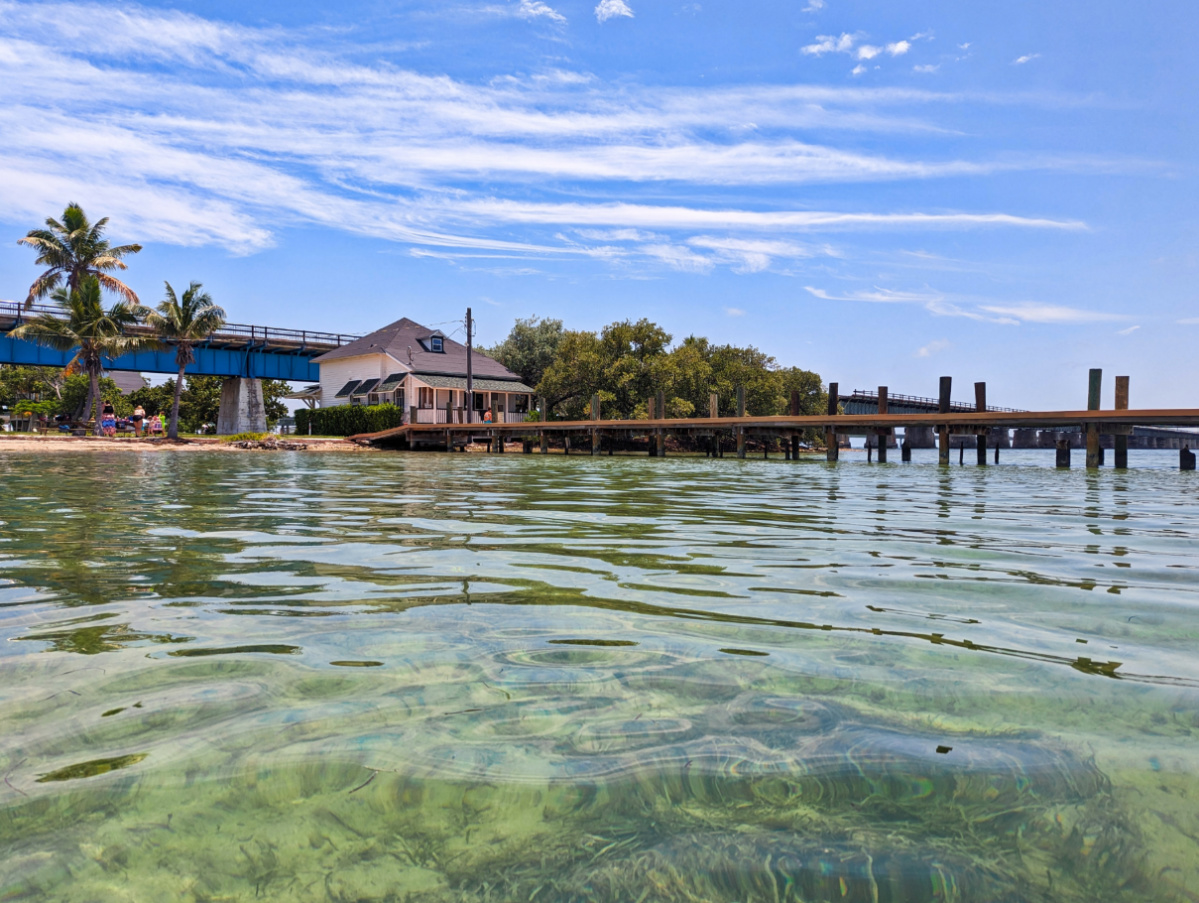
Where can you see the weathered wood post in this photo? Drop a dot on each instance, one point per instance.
(1094, 386)
(651, 414)
(660, 407)
(830, 431)
(740, 429)
(412, 414)
(905, 450)
(713, 405)
(566, 443)
(1063, 452)
(882, 433)
(1186, 459)
(595, 416)
(943, 405)
(795, 433)
(980, 405)
(449, 412)
(1121, 437)
(545, 442)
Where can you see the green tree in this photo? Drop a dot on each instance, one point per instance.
(76, 393)
(85, 326)
(182, 322)
(530, 348)
(37, 383)
(74, 250)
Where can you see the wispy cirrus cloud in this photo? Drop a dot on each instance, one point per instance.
(1027, 58)
(950, 305)
(1033, 312)
(198, 132)
(932, 348)
(611, 9)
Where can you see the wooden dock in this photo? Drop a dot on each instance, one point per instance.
(713, 434)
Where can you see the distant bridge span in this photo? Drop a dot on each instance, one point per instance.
(254, 352)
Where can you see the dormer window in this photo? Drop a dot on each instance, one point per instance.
(436, 344)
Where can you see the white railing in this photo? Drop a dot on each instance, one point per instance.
(438, 415)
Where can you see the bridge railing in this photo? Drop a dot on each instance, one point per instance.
(866, 395)
(13, 313)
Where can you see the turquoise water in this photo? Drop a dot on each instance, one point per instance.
(469, 677)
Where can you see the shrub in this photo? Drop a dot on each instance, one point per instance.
(349, 420)
(245, 437)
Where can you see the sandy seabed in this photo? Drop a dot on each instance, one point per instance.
(24, 443)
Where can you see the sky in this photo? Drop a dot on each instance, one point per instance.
(884, 193)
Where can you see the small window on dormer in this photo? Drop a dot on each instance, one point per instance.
(435, 344)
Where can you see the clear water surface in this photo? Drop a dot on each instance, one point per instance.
(492, 678)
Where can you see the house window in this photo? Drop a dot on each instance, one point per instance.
(435, 344)
(520, 404)
(480, 401)
(399, 398)
(425, 397)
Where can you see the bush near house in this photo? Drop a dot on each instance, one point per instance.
(349, 420)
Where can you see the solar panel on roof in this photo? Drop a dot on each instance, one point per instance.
(347, 389)
(365, 386)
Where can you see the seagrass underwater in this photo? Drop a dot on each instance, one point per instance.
(483, 677)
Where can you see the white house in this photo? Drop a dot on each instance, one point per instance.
(413, 366)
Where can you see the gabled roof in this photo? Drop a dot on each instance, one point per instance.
(407, 342)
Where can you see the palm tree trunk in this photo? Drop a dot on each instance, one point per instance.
(93, 390)
(173, 428)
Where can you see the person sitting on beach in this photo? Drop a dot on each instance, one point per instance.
(487, 416)
(154, 426)
(138, 415)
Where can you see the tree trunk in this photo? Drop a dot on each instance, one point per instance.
(93, 391)
(173, 428)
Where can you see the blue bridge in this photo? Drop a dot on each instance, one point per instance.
(249, 352)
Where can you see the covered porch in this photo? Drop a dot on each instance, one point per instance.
(438, 398)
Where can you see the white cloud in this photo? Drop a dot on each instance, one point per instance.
(857, 70)
(1027, 58)
(1129, 331)
(679, 257)
(1189, 321)
(965, 46)
(535, 9)
(814, 6)
(734, 312)
(899, 48)
(194, 132)
(868, 52)
(928, 67)
(829, 44)
(1032, 312)
(610, 9)
(932, 348)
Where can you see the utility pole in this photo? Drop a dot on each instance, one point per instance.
(470, 379)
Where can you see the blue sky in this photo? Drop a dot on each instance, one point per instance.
(881, 192)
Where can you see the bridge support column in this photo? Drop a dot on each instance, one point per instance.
(242, 409)
(919, 436)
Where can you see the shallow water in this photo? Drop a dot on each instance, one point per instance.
(468, 677)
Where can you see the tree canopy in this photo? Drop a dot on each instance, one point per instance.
(73, 250)
(627, 362)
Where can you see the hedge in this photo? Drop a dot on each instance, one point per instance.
(349, 420)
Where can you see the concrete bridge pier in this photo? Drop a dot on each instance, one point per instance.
(242, 409)
(998, 438)
(1024, 437)
(920, 436)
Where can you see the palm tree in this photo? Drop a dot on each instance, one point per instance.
(85, 325)
(183, 322)
(75, 249)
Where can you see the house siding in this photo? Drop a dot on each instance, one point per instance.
(335, 374)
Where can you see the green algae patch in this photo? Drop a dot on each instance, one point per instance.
(731, 651)
(592, 643)
(357, 664)
(92, 768)
(271, 648)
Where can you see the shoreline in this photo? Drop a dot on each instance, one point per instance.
(24, 442)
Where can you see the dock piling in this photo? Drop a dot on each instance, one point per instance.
(1121, 439)
(595, 416)
(1095, 384)
(943, 406)
(905, 451)
(830, 431)
(740, 413)
(1063, 453)
(545, 442)
(1186, 459)
(882, 434)
(980, 405)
